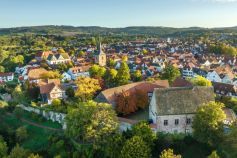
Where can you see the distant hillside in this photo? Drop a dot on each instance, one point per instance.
(68, 30)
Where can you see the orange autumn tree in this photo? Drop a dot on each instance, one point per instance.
(142, 99)
(130, 101)
(125, 103)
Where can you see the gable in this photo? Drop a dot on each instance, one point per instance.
(56, 89)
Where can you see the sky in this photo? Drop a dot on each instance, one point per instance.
(119, 13)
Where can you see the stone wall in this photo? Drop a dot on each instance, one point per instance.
(125, 124)
(49, 115)
(181, 127)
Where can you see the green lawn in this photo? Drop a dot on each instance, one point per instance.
(28, 116)
(37, 137)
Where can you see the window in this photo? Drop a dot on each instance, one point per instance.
(165, 122)
(176, 121)
(188, 121)
(187, 131)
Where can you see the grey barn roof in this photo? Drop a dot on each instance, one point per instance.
(181, 100)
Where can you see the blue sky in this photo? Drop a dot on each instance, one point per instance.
(119, 13)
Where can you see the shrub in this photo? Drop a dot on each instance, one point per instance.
(56, 102)
(21, 133)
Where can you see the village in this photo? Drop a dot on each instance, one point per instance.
(160, 81)
(145, 59)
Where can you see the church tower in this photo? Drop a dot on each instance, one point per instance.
(100, 56)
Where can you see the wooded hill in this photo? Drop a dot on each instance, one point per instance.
(138, 30)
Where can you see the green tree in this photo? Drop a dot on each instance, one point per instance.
(111, 63)
(114, 145)
(51, 75)
(81, 53)
(87, 87)
(137, 76)
(123, 75)
(200, 81)
(145, 51)
(213, 155)
(91, 122)
(56, 102)
(2, 69)
(144, 131)
(61, 50)
(18, 94)
(170, 73)
(230, 141)
(93, 41)
(34, 156)
(19, 59)
(110, 77)
(62, 67)
(3, 148)
(169, 153)
(3, 55)
(3, 104)
(208, 123)
(70, 92)
(135, 147)
(21, 133)
(97, 71)
(18, 152)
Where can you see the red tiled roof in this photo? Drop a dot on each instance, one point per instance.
(179, 82)
(5, 74)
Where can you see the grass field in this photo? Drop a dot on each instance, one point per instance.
(37, 137)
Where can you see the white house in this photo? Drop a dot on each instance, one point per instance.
(173, 109)
(79, 71)
(66, 77)
(54, 59)
(207, 63)
(52, 90)
(6, 77)
(227, 79)
(213, 76)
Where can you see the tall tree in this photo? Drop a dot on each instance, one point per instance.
(230, 141)
(142, 99)
(91, 122)
(51, 75)
(3, 147)
(123, 75)
(208, 123)
(21, 133)
(114, 145)
(169, 153)
(97, 71)
(135, 147)
(200, 81)
(110, 77)
(213, 155)
(18, 152)
(2, 69)
(18, 94)
(130, 101)
(87, 87)
(170, 73)
(125, 103)
(137, 76)
(143, 130)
